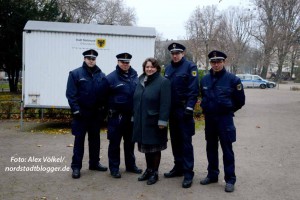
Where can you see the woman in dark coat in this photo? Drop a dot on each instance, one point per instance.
(152, 102)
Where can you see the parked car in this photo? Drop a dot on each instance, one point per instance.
(249, 80)
(5, 78)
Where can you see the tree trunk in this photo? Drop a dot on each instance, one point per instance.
(13, 76)
(281, 57)
(266, 63)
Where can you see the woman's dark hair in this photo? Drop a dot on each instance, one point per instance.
(154, 63)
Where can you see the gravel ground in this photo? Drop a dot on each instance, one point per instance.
(267, 159)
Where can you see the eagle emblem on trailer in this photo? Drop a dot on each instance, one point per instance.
(101, 43)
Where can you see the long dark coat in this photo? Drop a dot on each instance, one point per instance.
(152, 103)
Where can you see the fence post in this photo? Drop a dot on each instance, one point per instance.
(21, 114)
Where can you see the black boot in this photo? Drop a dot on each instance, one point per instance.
(153, 178)
(76, 173)
(148, 171)
(173, 173)
(145, 175)
(155, 163)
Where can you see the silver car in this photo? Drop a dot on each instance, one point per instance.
(255, 81)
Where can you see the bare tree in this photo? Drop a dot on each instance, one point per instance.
(265, 29)
(161, 53)
(234, 36)
(253, 60)
(110, 12)
(288, 29)
(277, 29)
(201, 29)
(114, 12)
(295, 54)
(79, 11)
(228, 31)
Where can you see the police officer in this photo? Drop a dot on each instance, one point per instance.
(222, 95)
(86, 89)
(183, 75)
(122, 84)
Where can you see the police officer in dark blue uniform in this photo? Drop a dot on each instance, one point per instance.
(86, 91)
(222, 95)
(122, 84)
(183, 75)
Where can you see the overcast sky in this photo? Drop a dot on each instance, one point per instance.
(168, 17)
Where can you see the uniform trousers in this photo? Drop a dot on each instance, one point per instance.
(120, 126)
(220, 128)
(182, 129)
(79, 128)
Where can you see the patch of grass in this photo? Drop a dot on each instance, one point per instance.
(10, 109)
(199, 123)
(62, 126)
(4, 86)
(9, 105)
(51, 127)
(59, 119)
(7, 96)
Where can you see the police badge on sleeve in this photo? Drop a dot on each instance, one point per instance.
(194, 73)
(239, 86)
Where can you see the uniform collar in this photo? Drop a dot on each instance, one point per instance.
(149, 78)
(92, 71)
(217, 74)
(178, 63)
(120, 71)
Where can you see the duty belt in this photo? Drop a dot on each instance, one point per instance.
(116, 113)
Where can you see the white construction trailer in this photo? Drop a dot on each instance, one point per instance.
(52, 49)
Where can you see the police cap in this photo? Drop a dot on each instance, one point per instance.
(124, 57)
(176, 47)
(216, 55)
(90, 53)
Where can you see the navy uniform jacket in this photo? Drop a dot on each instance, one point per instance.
(121, 89)
(86, 90)
(222, 93)
(184, 83)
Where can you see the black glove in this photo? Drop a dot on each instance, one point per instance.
(77, 116)
(188, 114)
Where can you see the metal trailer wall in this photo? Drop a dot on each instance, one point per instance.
(48, 56)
